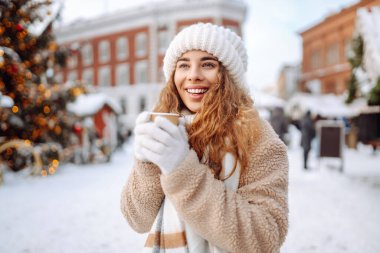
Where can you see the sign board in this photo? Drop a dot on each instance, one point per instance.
(330, 135)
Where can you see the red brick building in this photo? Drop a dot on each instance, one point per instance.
(127, 47)
(324, 64)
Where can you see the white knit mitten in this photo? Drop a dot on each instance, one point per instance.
(164, 143)
(141, 122)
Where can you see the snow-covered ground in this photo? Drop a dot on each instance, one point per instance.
(77, 210)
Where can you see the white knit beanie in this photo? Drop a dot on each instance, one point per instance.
(216, 40)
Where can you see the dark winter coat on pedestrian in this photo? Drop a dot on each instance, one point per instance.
(307, 131)
(279, 123)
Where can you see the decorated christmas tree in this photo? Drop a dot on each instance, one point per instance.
(29, 57)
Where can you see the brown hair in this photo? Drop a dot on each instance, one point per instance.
(226, 115)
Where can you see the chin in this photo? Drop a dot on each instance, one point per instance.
(194, 109)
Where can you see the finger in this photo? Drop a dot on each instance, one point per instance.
(139, 155)
(143, 117)
(152, 144)
(143, 128)
(150, 129)
(182, 130)
(167, 126)
(150, 155)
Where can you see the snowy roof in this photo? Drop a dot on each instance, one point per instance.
(5, 101)
(48, 14)
(89, 104)
(265, 100)
(326, 105)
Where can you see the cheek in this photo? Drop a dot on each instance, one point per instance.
(178, 80)
(213, 78)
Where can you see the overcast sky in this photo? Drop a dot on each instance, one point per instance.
(270, 30)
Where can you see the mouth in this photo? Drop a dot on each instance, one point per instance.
(196, 91)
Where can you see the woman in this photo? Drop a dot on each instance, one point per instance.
(220, 185)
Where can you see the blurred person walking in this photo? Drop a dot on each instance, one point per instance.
(279, 123)
(217, 181)
(307, 135)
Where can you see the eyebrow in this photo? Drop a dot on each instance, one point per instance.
(206, 58)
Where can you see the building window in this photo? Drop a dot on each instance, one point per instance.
(141, 72)
(160, 74)
(163, 41)
(333, 54)
(104, 51)
(104, 76)
(142, 104)
(141, 44)
(72, 61)
(88, 76)
(73, 76)
(87, 54)
(122, 74)
(315, 59)
(122, 48)
(58, 78)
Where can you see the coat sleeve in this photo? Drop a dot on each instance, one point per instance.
(142, 196)
(253, 219)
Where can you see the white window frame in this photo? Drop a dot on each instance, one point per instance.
(58, 77)
(141, 72)
(104, 76)
(88, 76)
(122, 70)
(87, 54)
(72, 76)
(72, 61)
(141, 44)
(163, 41)
(161, 75)
(122, 48)
(104, 51)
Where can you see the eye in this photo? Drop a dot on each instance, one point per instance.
(183, 66)
(209, 65)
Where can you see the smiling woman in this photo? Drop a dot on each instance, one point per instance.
(217, 182)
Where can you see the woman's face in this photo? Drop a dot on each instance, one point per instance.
(195, 72)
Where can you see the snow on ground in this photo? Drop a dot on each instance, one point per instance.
(77, 210)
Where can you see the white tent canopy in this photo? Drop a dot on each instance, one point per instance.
(264, 100)
(326, 105)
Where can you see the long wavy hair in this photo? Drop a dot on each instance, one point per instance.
(226, 122)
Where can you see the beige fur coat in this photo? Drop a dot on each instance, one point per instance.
(253, 219)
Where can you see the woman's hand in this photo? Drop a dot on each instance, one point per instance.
(163, 143)
(141, 122)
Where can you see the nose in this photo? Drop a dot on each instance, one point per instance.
(194, 74)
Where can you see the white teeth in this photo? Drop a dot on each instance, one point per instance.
(196, 91)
